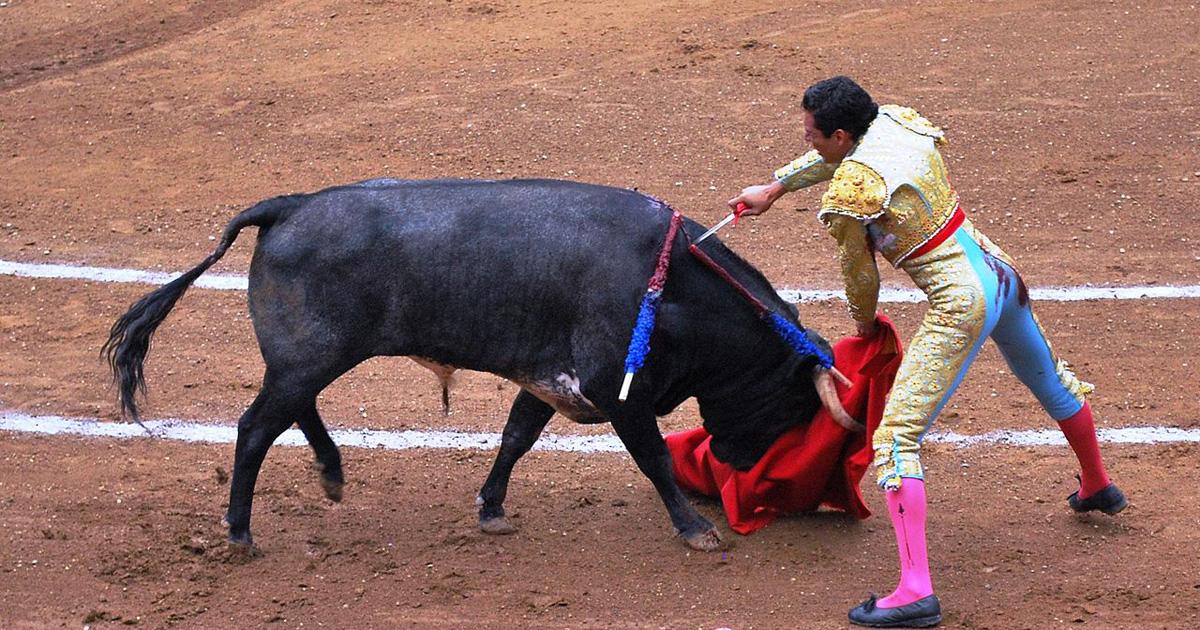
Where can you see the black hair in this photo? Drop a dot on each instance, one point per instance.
(840, 103)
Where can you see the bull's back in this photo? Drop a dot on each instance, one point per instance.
(493, 276)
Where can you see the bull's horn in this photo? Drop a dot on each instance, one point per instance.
(841, 377)
(828, 393)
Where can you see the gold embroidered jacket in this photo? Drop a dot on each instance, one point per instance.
(890, 194)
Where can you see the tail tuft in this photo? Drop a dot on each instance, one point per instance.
(129, 338)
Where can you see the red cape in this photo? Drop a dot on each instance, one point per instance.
(816, 464)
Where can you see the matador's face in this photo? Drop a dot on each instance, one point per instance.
(833, 147)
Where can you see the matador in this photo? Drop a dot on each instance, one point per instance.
(889, 194)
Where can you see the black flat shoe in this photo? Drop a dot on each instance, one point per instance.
(1110, 500)
(923, 613)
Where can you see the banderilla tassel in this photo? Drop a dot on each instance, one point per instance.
(798, 340)
(639, 343)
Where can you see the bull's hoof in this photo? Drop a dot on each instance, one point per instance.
(333, 489)
(496, 526)
(707, 540)
(240, 548)
(240, 553)
(241, 540)
(331, 485)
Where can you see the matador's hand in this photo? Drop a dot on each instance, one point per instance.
(758, 199)
(866, 329)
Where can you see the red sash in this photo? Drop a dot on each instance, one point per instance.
(944, 233)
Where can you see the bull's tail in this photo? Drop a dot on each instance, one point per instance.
(129, 339)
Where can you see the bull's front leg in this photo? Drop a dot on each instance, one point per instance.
(526, 421)
(642, 439)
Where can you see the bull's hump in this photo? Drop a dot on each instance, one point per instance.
(545, 186)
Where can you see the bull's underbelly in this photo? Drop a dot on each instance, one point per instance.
(564, 395)
(562, 392)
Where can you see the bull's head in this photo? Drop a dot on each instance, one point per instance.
(745, 423)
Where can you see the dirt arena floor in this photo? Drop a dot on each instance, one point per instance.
(131, 131)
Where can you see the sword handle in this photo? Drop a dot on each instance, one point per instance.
(737, 212)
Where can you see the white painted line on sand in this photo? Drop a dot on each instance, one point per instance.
(1042, 294)
(234, 282)
(185, 431)
(226, 282)
(1054, 437)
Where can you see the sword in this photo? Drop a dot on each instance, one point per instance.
(732, 216)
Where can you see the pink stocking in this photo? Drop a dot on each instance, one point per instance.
(907, 509)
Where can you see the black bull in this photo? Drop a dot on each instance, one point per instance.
(538, 282)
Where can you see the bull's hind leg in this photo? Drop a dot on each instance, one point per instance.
(525, 423)
(277, 406)
(328, 460)
(642, 439)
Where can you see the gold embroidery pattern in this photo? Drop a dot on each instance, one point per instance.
(917, 211)
(804, 171)
(856, 191)
(927, 211)
(1079, 389)
(899, 148)
(952, 325)
(859, 272)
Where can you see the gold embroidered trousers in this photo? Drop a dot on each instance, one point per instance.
(974, 292)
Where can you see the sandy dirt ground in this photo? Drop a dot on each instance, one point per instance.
(131, 131)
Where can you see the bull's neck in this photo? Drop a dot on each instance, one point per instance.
(746, 412)
(753, 386)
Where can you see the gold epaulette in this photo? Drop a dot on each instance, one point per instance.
(856, 191)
